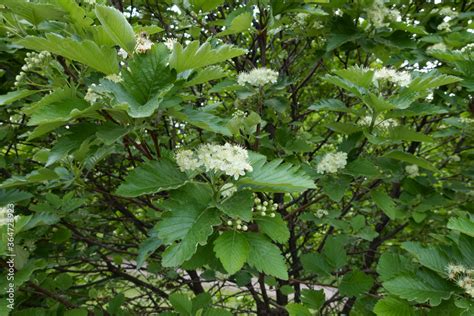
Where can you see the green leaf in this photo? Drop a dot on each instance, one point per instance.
(430, 257)
(362, 167)
(295, 309)
(117, 27)
(335, 186)
(275, 228)
(205, 5)
(313, 299)
(316, 263)
(391, 306)
(335, 252)
(181, 303)
(201, 119)
(188, 220)
(407, 134)
(232, 249)
(421, 288)
(276, 176)
(205, 75)
(431, 80)
(329, 105)
(239, 205)
(409, 158)
(355, 283)
(195, 56)
(103, 59)
(386, 204)
(265, 256)
(151, 177)
(391, 265)
(146, 248)
(34, 12)
(377, 103)
(358, 76)
(239, 24)
(36, 176)
(13, 196)
(16, 95)
(462, 225)
(343, 128)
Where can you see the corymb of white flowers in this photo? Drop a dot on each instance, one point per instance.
(401, 78)
(332, 162)
(258, 77)
(230, 159)
(379, 122)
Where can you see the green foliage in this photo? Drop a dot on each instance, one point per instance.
(232, 249)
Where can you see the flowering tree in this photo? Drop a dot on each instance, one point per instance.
(237, 157)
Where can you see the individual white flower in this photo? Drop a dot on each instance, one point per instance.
(439, 46)
(91, 96)
(187, 160)
(447, 11)
(455, 158)
(332, 162)
(412, 171)
(321, 213)
(115, 78)
(444, 26)
(228, 189)
(170, 41)
(143, 44)
(401, 78)
(378, 13)
(258, 77)
(122, 53)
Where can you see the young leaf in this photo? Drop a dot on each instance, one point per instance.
(275, 228)
(391, 306)
(386, 204)
(239, 205)
(151, 177)
(276, 176)
(117, 27)
(189, 222)
(232, 249)
(355, 283)
(265, 256)
(195, 56)
(103, 59)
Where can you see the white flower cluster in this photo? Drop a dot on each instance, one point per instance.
(239, 114)
(265, 207)
(115, 78)
(228, 189)
(412, 171)
(32, 60)
(321, 213)
(379, 122)
(258, 77)
(332, 162)
(122, 53)
(468, 48)
(439, 46)
(462, 276)
(379, 13)
(91, 96)
(170, 41)
(143, 44)
(229, 159)
(401, 78)
(238, 224)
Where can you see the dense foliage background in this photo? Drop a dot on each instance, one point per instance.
(354, 194)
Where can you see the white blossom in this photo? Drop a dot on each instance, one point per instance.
(169, 43)
(228, 189)
(379, 122)
(321, 213)
(439, 46)
(412, 171)
(115, 78)
(468, 48)
(332, 162)
(444, 26)
(91, 96)
(401, 78)
(232, 160)
(143, 44)
(187, 160)
(122, 53)
(448, 12)
(378, 13)
(258, 77)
